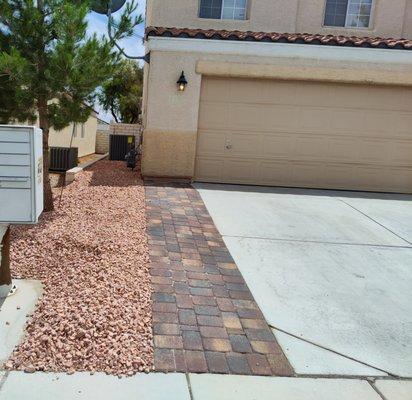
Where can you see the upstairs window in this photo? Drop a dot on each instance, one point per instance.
(348, 13)
(223, 9)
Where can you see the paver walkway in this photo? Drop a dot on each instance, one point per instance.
(205, 317)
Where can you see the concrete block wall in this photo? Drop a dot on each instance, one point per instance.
(102, 139)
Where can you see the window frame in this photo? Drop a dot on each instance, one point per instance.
(371, 19)
(247, 8)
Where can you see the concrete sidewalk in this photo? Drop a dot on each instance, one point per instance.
(40, 386)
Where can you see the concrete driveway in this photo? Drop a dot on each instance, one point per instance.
(331, 271)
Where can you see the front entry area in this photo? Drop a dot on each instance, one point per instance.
(305, 134)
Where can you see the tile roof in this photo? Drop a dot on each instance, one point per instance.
(273, 37)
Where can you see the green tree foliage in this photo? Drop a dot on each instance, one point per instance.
(121, 95)
(50, 68)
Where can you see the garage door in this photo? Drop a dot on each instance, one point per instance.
(302, 134)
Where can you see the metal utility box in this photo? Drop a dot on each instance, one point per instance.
(120, 145)
(21, 174)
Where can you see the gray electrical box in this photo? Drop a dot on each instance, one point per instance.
(21, 174)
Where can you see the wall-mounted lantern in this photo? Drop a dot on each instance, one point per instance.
(182, 82)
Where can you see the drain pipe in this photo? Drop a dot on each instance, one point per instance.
(6, 286)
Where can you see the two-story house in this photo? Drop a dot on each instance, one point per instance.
(330, 108)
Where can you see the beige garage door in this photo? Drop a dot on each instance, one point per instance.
(303, 134)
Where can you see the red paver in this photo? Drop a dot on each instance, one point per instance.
(205, 317)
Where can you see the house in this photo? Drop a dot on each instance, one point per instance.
(331, 108)
(84, 136)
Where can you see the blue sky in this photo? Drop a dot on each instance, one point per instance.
(132, 46)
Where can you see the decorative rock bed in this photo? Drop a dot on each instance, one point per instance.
(91, 254)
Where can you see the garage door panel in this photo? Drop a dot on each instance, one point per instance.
(213, 116)
(245, 116)
(310, 148)
(306, 175)
(277, 145)
(275, 173)
(400, 178)
(216, 90)
(210, 169)
(262, 117)
(339, 176)
(378, 123)
(260, 92)
(298, 134)
(375, 151)
(349, 121)
(394, 99)
(244, 144)
(240, 170)
(373, 177)
(348, 96)
(313, 119)
(343, 149)
(402, 153)
(403, 125)
(211, 143)
(309, 94)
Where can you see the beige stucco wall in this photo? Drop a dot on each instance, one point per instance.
(171, 117)
(389, 18)
(407, 25)
(85, 145)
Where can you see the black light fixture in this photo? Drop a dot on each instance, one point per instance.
(182, 82)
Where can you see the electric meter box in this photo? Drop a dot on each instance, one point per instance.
(21, 174)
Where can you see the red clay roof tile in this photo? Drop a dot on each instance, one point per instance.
(274, 37)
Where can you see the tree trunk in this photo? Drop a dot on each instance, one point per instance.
(44, 125)
(5, 275)
(114, 115)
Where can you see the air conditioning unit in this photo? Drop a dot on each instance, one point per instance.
(21, 174)
(120, 145)
(63, 158)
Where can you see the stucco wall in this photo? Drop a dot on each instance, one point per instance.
(388, 19)
(171, 117)
(86, 144)
(407, 25)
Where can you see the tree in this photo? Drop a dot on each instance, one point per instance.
(50, 68)
(121, 95)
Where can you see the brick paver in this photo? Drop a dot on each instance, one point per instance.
(204, 316)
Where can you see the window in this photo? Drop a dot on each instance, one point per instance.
(82, 131)
(75, 130)
(348, 13)
(223, 9)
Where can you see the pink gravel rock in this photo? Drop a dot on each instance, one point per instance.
(92, 256)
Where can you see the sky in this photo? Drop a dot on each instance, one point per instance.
(132, 46)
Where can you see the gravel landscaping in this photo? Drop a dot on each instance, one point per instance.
(91, 254)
